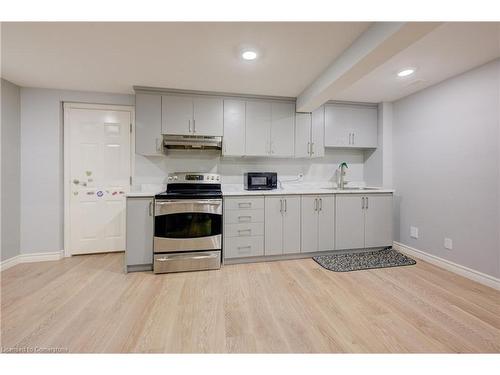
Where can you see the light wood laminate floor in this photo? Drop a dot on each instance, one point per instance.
(87, 304)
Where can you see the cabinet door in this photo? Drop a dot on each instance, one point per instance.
(177, 115)
(234, 128)
(282, 129)
(318, 133)
(139, 245)
(258, 128)
(338, 126)
(208, 116)
(273, 227)
(326, 220)
(378, 220)
(309, 224)
(302, 135)
(349, 222)
(364, 124)
(291, 225)
(148, 139)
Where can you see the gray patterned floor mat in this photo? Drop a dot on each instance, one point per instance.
(364, 260)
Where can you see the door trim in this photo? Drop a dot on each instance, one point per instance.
(66, 172)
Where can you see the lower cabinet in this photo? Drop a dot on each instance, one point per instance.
(282, 225)
(140, 226)
(317, 223)
(363, 221)
(243, 227)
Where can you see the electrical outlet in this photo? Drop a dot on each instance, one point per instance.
(413, 232)
(448, 243)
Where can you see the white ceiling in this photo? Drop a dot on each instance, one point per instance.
(450, 49)
(113, 57)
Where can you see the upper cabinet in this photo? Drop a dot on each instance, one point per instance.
(351, 126)
(258, 128)
(233, 143)
(148, 139)
(186, 115)
(282, 129)
(309, 134)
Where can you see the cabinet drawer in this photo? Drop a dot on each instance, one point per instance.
(240, 247)
(250, 203)
(243, 216)
(244, 230)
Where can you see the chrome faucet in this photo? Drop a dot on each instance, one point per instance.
(342, 182)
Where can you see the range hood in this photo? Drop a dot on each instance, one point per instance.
(192, 142)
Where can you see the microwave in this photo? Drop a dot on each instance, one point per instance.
(260, 180)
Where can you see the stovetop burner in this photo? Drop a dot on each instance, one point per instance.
(192, 186)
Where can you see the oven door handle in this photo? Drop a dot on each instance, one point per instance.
(212, 203)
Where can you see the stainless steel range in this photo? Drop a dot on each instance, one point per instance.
(188, 224)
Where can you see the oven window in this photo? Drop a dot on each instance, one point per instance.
(259, 181)
(188, 225)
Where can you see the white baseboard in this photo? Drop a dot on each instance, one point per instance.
(29, 258)
(469, 273)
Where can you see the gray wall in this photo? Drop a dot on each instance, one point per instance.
(446, 168)
(42, 203)
(10, 160)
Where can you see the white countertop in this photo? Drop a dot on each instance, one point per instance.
(146, 190)
(229, 190)
(299, 189)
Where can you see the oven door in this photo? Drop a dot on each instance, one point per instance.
(187, 225)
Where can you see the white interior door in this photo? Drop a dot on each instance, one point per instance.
(98, 170)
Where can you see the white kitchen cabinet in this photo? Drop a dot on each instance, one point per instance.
(148, 138)
(177, 115)
(309, 134)
(186, 115)
(282, 129)
(243, 227)
(208, 116)
(317, 218)
(282, 225)
(139, 241)
(363, 221)
(378, 220)
(234, 128)
(258, 128)
(351, 126)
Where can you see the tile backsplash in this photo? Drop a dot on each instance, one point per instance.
(155, 169)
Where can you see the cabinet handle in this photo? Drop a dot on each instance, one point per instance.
(309, 148)
(189, 125)
(312, 148)
(249, 231)
(150, 208)
(286, 205)
(245, 204)
(366, 202)
(315, 204)
(244, 217)
(350, 138)
(194, 126)
(362, 203)
(321, 204)
(281, 206)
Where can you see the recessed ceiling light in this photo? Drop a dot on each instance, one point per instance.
(249, 55)
(406, 72)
